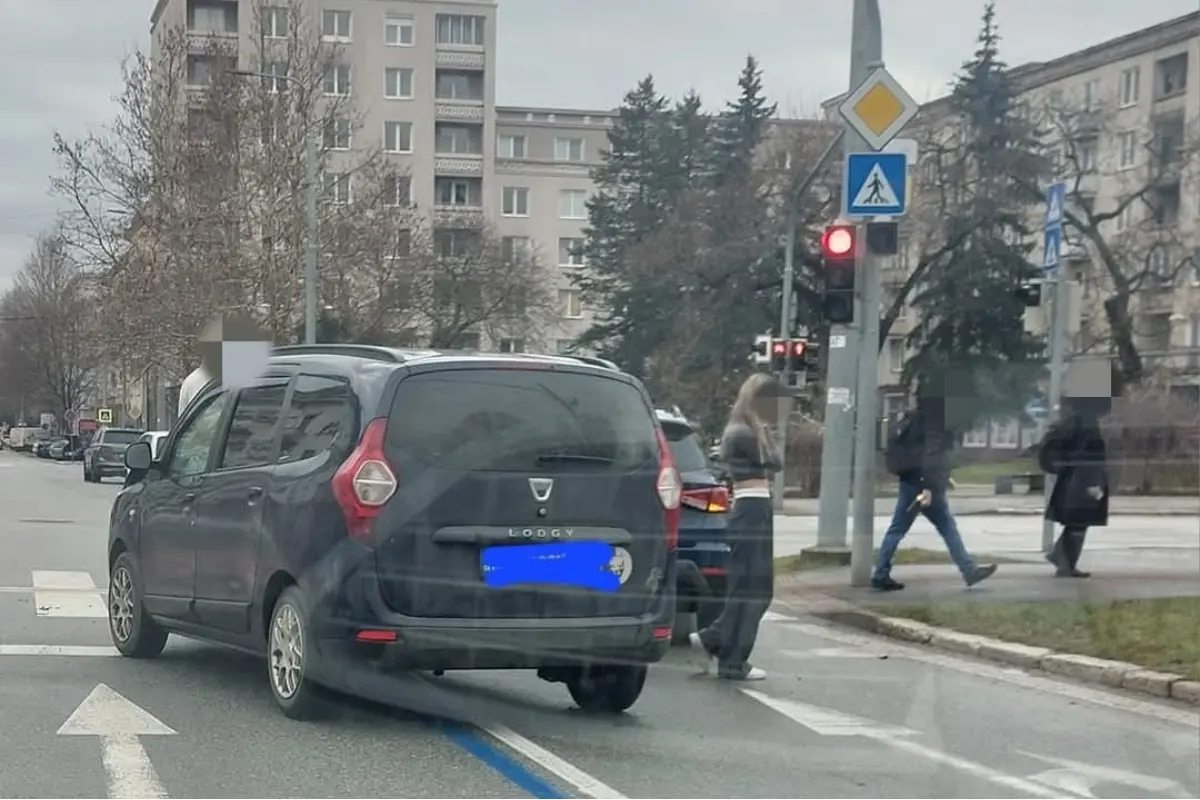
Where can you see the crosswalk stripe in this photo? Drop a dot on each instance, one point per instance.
(67, 593)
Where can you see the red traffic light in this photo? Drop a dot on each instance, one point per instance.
(799, 348)
(838, 241)
(779, 348)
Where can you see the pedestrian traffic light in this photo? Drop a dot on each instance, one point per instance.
(839, 258)
(797, 355)
(761, 350)
(779, 355)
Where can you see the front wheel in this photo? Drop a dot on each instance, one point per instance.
(133, 632)
(289, 651)
(608, 688)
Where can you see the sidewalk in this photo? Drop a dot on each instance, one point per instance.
(977, 500)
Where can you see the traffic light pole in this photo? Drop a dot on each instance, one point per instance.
(785, 331)
(847, 345)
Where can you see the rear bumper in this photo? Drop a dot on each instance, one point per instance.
(108, 469)
(458, 644)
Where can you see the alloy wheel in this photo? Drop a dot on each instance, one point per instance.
(121, 604)
(287, 651)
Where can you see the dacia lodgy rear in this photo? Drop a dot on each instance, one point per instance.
(469, 512)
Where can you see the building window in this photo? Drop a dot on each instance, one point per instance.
(975, 438)
(397, 191)
(275, 22)
(335, 26)
(570, 304)
(460, 29)
(511, 147)
(402, 247)
(1086, 153)
(515, 202)
(338, 134)
(276, 81)
(572, 204)
(398, 83)
(515, 249)
(453, 193)
(397, 137)
(1127, 149)
(570, 252)
(459, 140)
(212, 17)
(1091, 95)
(458, 86)
(1006, 435)
(1126, 219)
(337, 80)
(512, 345)
(337, 188)
(896, 354)
(1131, 86)
(568, 149)
(1172, 75)
(398, 31)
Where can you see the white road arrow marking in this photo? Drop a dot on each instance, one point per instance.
(1080, 778)
(838, 652)
(826, 722)
(118, 723)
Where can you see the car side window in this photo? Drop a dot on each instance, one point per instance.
(251, 439)
(321, 417)
(190, 455)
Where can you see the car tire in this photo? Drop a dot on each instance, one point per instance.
(131, 629)
(608, 688)
(297, 696)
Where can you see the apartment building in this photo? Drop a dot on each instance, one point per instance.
(1123, 116)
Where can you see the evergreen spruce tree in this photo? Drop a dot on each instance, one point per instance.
(739, 129)
(971, 332)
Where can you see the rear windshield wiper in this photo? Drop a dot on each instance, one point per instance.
(573, 458)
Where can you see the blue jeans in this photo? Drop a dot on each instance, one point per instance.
(938, 513)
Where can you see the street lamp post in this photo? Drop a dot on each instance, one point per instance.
(310, 211)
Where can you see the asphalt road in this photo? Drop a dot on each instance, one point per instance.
(841, 715)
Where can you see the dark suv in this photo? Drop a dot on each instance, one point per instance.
(360, 510)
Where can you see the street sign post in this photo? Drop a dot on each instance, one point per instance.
(104, 416)
(1056, 196)
(878, 109)
(874, 185)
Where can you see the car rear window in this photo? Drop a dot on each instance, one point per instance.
(121, 437)
(685, 447)
(521, 420)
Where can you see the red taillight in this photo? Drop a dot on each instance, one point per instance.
(376, 636)
(670, 490)
(714, 499)
(365, 482)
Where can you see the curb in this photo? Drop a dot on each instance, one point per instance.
(1037, 512)
(1117, 674)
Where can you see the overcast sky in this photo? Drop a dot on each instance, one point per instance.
(60, 59)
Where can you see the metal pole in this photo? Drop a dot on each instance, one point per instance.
(785, 332)
(163, 419)
(862, 540)
(310, 254)
(1058, 335)
(866, 50)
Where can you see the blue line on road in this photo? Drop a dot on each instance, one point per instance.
(497, 759)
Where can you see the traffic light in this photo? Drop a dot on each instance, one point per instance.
(779, 355)
(839, 258)
(1029, 290)
(798, 355)
(762, 349)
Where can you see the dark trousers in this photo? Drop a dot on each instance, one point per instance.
(750, 531)
(1069, 547)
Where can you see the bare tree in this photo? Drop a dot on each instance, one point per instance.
(1123, 210)
(48, 340)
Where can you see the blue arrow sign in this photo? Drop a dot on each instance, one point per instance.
(874, 185)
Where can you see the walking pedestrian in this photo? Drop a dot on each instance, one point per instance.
(1074, 451)
(919, 456)
(749, 455)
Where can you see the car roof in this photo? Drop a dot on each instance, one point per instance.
(378, 354)
(672, 416)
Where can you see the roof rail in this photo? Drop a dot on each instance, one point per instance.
(371, 351)
(596, 362)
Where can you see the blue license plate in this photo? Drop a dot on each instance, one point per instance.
(586, 565)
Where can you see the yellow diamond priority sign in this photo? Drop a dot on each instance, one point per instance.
(878, 109)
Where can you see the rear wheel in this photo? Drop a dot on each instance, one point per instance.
(289, 648)
(607, 688)
(132, 630)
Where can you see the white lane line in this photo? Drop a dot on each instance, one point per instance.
(1010, 675)
(588, 785)
(67, 593)
(772, 616)
(69, 650)
(829, 723)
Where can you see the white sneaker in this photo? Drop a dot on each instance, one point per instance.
(704, 659)
(752, 674)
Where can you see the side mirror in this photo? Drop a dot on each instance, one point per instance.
(138, 456)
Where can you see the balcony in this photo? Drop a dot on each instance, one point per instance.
(460, 59)
(465, 165)
(459, 111)
(211, 23)
(458, 201)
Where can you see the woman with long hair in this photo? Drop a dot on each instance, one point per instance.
(750, 458)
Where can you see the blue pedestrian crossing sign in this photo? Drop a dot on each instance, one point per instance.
(1056, 197)
(874, 185)
(1052, 249)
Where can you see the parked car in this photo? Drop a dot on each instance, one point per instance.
(104, 456)
(155, 438)
(67, 448)
(42, 447)
(397, 510)
(703, 550)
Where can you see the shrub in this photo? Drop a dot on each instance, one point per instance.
(1153, 439)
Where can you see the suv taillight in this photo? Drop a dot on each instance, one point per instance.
(670, 490)
(714, 500)
(365, 482)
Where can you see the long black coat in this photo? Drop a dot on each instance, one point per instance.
(1075, 452)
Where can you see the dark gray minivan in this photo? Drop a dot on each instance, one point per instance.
(360, 510)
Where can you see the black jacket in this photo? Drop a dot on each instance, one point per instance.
(1075, 452)
(923, 453)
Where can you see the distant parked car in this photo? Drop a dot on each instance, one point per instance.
(105, 456)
